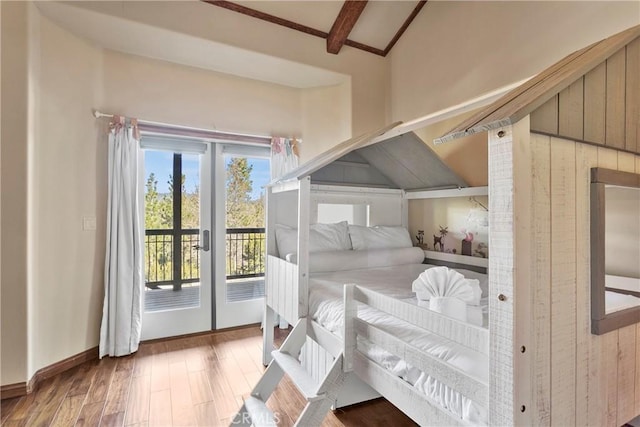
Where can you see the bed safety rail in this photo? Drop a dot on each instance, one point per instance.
(282, 290)
(399, 392)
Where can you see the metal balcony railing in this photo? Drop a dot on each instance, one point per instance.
(245, 248)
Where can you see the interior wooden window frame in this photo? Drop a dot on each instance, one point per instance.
(601, 323)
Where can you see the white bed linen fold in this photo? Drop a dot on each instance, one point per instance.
(326, 307)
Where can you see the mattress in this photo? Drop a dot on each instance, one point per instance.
(326, 308)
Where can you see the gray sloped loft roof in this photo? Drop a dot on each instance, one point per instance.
(524, 99)
(402, 161)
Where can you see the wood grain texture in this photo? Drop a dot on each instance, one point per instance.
(563, 277)
(501, 321)
(595, 96)
(13, 390)
(290, 24)
(545, 118)
(520, 102)
(626, 374)
(615, 107)
(90, 414)
(571, 111)
(608, 362)
(632, 107)
(541, 273)
(52, 404)
(139, 400)
(344, 23)
(524, 329)
(626, 340)
(587, 387)
(610, 377)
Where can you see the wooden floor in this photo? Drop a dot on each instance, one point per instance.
(191, 381)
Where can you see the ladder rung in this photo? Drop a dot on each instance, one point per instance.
(258, 412)
(300, 377)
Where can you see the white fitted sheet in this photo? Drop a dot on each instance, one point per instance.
(326, 307)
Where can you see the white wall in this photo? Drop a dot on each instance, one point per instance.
(369, 73)
(14, 135)
(165, 92)
(54, 157)
(326, 118)
(69, 183)
(455, 50)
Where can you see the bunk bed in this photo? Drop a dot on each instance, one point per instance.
(360, 332)
(547, 365)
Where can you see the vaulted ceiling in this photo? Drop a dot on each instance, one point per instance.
(372, 26)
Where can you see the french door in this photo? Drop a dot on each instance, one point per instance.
(241, 174)
(204, 240)
(178, 238)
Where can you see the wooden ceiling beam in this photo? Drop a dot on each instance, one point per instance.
(235, 7)
(266, 17)
(404, 27)
(342, 26)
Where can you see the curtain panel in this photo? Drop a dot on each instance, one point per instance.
(122, 309)
(284, 155)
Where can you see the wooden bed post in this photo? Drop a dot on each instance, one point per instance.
(304, 204)
(270, 249)
(349, 333)
(267, 336)
(510, 321)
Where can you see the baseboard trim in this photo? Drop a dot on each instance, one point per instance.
(22, 389)
(62, 366)
(13, 390)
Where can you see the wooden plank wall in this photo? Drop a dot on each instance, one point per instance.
(576, 378)
(602, 107)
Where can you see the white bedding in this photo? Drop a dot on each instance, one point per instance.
(326, 307)
(615, 301)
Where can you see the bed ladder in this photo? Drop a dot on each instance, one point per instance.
(320, 397)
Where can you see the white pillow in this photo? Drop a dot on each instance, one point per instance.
(379, 237)
(321, 262)
(322, 237)
(286, 239)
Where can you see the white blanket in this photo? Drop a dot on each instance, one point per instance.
(325, 307)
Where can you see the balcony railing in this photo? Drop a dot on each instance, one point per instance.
(245, 248)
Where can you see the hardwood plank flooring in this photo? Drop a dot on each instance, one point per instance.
(188, 381)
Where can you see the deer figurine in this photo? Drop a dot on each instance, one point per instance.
(437, 240)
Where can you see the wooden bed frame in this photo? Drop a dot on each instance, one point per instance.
(360, 378)
(545, 365)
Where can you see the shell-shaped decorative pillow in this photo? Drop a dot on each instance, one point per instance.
(444, 282)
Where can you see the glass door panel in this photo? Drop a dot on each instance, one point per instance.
(240, 284)
(177, 296)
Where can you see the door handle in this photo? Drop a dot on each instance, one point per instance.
(205, 242)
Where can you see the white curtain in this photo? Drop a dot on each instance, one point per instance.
(122, 310)
(284, 156)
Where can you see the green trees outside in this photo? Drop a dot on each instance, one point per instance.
(159, 216)
(245, 252)
(242, 211)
